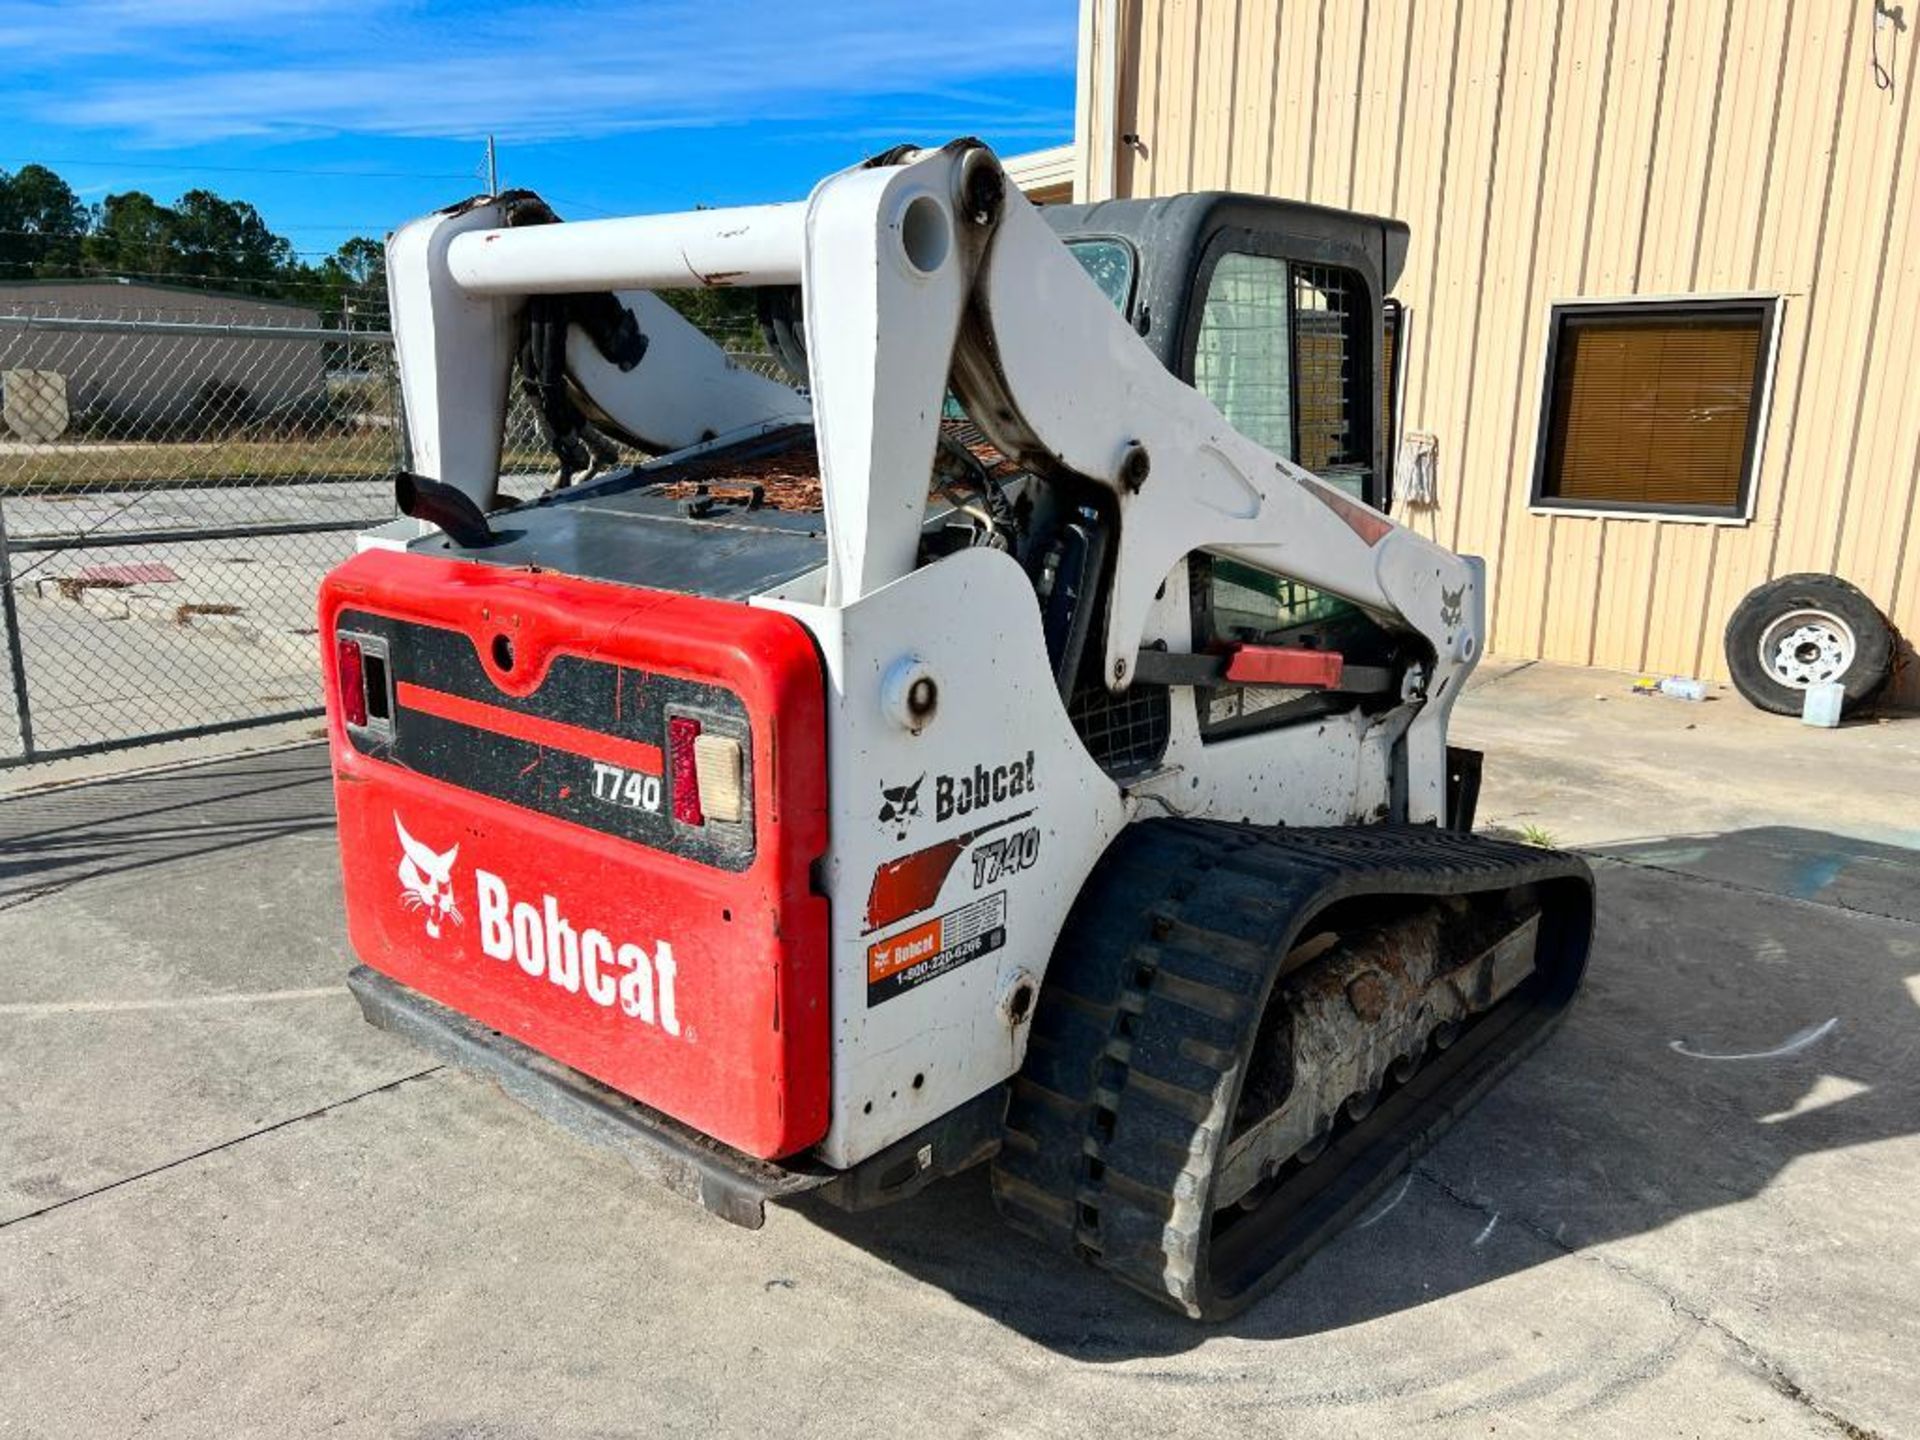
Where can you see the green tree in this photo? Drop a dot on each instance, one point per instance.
(132, 233)
(41, 222)
(363, 261)
(213, 236)
(350, 283)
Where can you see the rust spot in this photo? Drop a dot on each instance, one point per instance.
(789, 479)
(1367, 993)
(70, 586)
(184, 614)
(718, 278)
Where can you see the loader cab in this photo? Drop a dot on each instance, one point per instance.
(1276, 311)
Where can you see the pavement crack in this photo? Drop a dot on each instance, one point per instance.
(1718, 883)
(1768, 1369)
(227, 1144)
(1493, 680)
(27, 897)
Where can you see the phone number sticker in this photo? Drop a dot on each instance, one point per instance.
(935, 947)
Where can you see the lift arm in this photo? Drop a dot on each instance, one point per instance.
(919, 275)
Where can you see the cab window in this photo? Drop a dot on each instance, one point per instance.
(1242, 357)
(1109, 264)
(1284, 349)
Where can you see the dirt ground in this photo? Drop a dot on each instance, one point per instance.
(228, 1206)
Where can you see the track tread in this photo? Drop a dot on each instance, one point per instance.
(1164, 968)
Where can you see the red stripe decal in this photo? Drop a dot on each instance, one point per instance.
(536, 730)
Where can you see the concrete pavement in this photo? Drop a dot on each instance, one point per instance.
(229, 1206)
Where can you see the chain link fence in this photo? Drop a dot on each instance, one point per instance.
(172, 490)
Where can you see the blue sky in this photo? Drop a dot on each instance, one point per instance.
(602, 107)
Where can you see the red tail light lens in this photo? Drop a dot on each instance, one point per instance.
(353, 682)
(682, 731)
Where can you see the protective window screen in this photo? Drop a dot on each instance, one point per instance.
(1653, 407)
(1242, 355)
(1329, 307)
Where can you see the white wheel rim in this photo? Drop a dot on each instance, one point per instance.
(1805, 647)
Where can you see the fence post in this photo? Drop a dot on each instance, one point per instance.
(16, 643)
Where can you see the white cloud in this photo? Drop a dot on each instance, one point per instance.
(216, 69)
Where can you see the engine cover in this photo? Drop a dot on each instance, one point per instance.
(523, 840)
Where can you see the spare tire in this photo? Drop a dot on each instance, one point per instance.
(1800, 630)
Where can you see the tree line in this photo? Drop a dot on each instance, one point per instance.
(202, 240)
(207, 242)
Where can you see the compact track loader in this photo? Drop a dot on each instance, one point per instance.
(977, 750)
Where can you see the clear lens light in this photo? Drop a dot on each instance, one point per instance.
(720, 767)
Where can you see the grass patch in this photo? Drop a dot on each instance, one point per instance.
(107, 465)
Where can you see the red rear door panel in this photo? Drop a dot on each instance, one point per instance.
(509, 844)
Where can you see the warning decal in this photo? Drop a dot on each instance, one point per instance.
(934, 947)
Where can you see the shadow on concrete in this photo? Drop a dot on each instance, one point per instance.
(54, 838)
(1752, 999)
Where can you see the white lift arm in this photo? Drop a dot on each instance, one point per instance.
(915, 275)
(458, 279)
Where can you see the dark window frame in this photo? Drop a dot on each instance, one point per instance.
(1393, 321)
(1765, 307)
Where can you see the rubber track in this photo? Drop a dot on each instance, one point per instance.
(1117, 1119)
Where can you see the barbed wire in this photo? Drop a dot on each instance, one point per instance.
(118, 164)
(114, 272)
(167, 246)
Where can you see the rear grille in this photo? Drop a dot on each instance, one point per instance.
(1125, 734)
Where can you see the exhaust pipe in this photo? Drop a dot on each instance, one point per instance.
(447, 506)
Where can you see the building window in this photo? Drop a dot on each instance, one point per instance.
(1654, 407)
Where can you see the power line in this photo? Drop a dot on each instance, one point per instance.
(580, 205)
(171, 247)
(115, 272)
(240, 169)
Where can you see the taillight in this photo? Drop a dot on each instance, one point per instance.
(721, 766)
(682, 732)
(353, 681)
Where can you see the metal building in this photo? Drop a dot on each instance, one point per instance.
(1720, 190)
(114, 385)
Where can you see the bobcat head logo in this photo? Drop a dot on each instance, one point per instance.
(426, 880)
(899, 804)
(1450, 604)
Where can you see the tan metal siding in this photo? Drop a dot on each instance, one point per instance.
(1591, 148)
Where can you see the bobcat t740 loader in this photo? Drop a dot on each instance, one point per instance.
(976, 751)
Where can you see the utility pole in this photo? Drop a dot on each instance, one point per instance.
(493, 169)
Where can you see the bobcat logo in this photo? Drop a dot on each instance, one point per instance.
(426, 880)
(899, 804)
(1450, 604)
